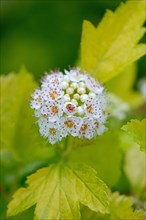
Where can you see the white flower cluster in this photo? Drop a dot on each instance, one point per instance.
(71, 103)
(117, 108)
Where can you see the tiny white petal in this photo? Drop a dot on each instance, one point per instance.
(81, 110)
(66, 78)
(64, 85)
(92, 95)
(35, 104)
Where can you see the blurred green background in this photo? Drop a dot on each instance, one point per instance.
(44, 35)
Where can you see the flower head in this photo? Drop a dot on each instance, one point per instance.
(71, 103)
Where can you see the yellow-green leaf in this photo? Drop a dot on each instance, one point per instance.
(120, 209)
(137, 130)
(104, 148)
(122, 85)
(19, 132)
(109, 48)
(134, 168)
(57, 191)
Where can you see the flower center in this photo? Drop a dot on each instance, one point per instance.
(84, 127)
(54, 109)
(69, 124)
(90, 109)
(70, 108)
(52, 131)
(96, 124)
(53, 94)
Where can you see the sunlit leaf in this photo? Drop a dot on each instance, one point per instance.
(109, 48)
(122, 85)
(104, 155)
(120, 209)
(19, 131)
(57, 191)
(136, 129)
(135, 168)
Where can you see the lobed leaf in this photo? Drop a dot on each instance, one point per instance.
(136, 129)
(126, 80)
(120, 208)
(57, 191)
(19, 132)
(113, 45)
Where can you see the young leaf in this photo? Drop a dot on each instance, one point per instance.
(134, 168)
(126, 80)
(120, 208)
(109, 48)
(57, 190)
(19, 133)
(136, 129)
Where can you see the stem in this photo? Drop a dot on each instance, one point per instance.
(66, 143)
(64, 148)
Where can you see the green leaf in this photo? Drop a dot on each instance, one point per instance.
(120, 209)
(19, 132)
(136, 129)
(113, 45)
(57, 190)
(134, 168)
(126, 80)
(104, 148)
(26, 215)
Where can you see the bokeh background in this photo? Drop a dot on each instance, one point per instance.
(44, 35)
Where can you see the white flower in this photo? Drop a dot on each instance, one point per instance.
(75, 75)
(69, 103)
(38, 99)
(93, 108)
(70, 125)
(99, 127)
(43, 124)
(70, 108)
(87, 128)
(55, 110)
(94, 86)
(53, 132)
(53, 78)
(52, 93)
(117, 107)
